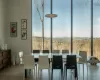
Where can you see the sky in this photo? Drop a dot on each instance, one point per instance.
(62, 23)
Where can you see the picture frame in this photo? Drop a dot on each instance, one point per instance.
(13, 29)
(23, 34)
(23, 23)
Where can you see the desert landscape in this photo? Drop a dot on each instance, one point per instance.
(79, 44)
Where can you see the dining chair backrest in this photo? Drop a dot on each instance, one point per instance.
(71, 63)
(45, 51)
(65, 51)
(83, 54)
(43, 62)
(57, 61)
(20, 57)
(71, 60)
(28, 62)
(56, 51)
(21, 54)
(36, 51)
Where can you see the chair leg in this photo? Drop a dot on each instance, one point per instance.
(83, 71)
(79, 71)
(25, 73)
(38, 74)
(34, 73)
(76, 78)
(41, 74)
(30, 72)
(87, 70)
(62, 74)
(52, 75)
(76, 74)
(66, 74)
(49, 73)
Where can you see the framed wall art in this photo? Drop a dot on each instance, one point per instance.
(13, 29)
(23, 34)
(23, 23)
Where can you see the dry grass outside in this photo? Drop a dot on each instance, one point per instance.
(60, 44)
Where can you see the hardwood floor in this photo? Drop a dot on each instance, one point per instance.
(17, 73)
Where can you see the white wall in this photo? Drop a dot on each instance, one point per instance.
(2, 21)
(17, 10)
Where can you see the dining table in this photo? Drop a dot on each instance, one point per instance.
(50, 55)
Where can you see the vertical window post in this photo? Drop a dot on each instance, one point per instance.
(91, 27)
(51, 27)
(71, 26)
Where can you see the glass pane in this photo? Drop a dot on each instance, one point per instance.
(61, 25)
(46, 25)
(36, 26)
(81, 26)
(96, 28)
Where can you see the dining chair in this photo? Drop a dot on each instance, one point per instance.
(29, 64)
(45, 51)
(65, 51)
(71, 63)
(57, 63)
(19, 58)
(83, 60)
(36, 52)
(55, 51)
(43, 64)
(21, 54)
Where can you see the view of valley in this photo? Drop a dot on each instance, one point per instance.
(79, 44)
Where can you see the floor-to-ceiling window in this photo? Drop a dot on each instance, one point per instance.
(81, 26)
(36, 26)
(96, 28)
(61, 31)
(46, 25)
(77, 23)
(40, 25)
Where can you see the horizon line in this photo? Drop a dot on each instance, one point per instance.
(64, 37)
